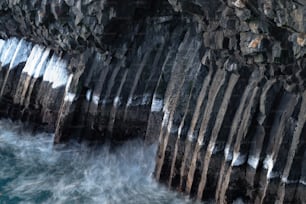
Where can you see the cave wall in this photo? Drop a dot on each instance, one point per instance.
(238, 137)
(219, 84)
(101, 41)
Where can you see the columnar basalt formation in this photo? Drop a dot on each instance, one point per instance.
(219, 84)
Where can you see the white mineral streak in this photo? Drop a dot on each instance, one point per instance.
(2, 42)
(88, 94)
(157, 104)
(191, 136)
(60, 74)
(69, 81)
(33, 60)
(146, 99)
(201, 141)
(116, 101)
(169, 126)
(211, 147)
(137, 100)
(56, 72)
(286, 181)
(41, 67)
(180, 130)
(239, 159)
(239, 4)
(217, 148)
(166, 118)
(14, 52)
(253, 161)
(104, 101)
(268, 164)
(95, 99)
(21, 54)
(228, 156)
(235, 157)
(238, 201)
(8, 51)
(303, 182)
(69, 97)
(50, 64)
(129, 102)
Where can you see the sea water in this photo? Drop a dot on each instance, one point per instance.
(32, 170)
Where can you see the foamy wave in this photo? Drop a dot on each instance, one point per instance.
(33, 171)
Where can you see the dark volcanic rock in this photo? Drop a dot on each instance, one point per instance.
(72, 25)
(219, 84)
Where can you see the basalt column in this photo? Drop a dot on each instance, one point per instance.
(116, 94)
(237, 134)
(121, 96)
(219, 84)
(32, 80)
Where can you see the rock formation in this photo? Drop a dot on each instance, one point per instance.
(219, 84)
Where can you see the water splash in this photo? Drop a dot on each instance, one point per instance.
(33, 171)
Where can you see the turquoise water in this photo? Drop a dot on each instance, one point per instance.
(33, 171)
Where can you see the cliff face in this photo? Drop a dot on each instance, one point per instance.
(221, 84)
(246, 125)
(102, 43)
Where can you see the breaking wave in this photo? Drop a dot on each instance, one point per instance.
(33, 171)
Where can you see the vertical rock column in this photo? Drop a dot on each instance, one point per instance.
(32, 82)
(117, 94)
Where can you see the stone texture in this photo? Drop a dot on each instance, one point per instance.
(219, 84)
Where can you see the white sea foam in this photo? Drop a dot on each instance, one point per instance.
(33, 170)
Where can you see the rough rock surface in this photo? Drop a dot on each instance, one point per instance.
(220, 83)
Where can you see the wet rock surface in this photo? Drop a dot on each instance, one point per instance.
(219, 84)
